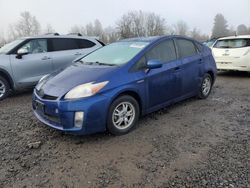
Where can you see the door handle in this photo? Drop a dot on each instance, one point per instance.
(78, 53)
(45, 58)
(177, 68)
(200, 60)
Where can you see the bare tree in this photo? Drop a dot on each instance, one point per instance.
(26, 26)
(181, 28)
(2, 39)
(242, 30)
(138, 24)
(78, 29)
(231, 31)
(49, 29)
(98, 30)
(196, 34)
(90, 29)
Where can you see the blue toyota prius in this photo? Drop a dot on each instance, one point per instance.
(112, 87)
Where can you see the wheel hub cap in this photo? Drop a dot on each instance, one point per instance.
(206, 86)
(2, 88)
(123, 115)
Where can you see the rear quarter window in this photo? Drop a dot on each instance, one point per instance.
(83, 43)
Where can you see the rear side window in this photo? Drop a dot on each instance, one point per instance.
(61, 44)
(83, 43)
(186, 48)
(232, 43)
(164, 52)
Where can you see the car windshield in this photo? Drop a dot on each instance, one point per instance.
(232, 43)
(115, 54)
(6, 48)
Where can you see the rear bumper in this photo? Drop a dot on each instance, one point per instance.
(233, 65)
(60, 114)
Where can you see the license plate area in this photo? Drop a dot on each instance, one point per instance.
(225, 63)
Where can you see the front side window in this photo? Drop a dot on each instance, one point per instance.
(8, 47)
(36, 46)
(164, 52)
(186, 48)
(232, 43)
(61, 44)
(116, 53)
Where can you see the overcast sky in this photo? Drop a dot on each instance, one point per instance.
(62, 14)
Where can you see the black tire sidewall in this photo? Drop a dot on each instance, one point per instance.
(124, 98)
(7, 88)
(201, 95)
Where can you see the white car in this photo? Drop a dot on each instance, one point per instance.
(232, 53)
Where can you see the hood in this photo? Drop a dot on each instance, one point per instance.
(58, 84)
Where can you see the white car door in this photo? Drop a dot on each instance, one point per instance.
(28, 69)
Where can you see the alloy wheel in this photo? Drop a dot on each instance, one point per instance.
(206, 86)
(2, 88)
(123, 115)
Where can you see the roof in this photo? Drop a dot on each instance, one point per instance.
(60, 36)
(141, 39)
(236, 37)
(153, 38)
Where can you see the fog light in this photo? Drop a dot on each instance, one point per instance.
(79, 116)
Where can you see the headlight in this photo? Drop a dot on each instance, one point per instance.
(41, 82)
(85, 90)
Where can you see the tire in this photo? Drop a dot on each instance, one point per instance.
(121, 121)
(206, 86)
(4, 88)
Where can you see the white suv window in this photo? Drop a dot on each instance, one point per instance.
(232, 43)
(36, 46)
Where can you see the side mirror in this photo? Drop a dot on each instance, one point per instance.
(21, 52)
(154, 64)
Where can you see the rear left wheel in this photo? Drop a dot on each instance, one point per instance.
(123, 115)
(205, 87)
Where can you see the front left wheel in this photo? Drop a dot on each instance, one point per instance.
(4, 88)
(123, 115)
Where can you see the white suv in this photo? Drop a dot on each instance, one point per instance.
(232, 53)
(24, 61)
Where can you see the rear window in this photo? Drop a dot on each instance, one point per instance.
(232, 43)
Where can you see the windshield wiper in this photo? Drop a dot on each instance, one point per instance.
(97, 62)
(108, 64)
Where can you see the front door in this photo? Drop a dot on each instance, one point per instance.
(163, 83)
(28, 69)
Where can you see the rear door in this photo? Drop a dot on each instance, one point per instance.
(191, 64)
(31, 67)
(63, 51)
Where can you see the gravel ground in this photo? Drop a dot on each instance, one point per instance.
(195, 143)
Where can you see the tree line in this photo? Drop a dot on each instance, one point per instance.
(131, 24)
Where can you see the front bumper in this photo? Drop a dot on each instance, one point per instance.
(60, 114)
